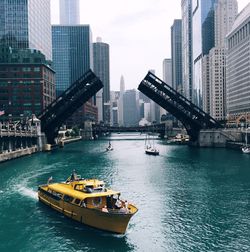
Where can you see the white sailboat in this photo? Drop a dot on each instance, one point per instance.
(150, 149)
(246, 149)
(109, 148)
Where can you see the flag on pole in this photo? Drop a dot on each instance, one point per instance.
(2, 112)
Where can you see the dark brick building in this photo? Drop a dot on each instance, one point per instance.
(27, 81)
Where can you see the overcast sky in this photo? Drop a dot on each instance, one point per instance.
(138, 32)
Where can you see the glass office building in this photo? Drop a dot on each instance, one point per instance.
(72, 53)
(203, 41)
(101, 69)
(187, 44)
(26, 24)
(69, 12)
(131, 108)
(176, 55)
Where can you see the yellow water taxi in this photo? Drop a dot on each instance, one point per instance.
(89, 202)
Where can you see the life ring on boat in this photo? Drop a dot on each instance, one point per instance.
(97, 201)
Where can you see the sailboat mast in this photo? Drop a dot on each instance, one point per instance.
(246, 137)
(246, 130)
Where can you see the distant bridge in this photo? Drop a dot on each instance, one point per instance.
(155, 128)
(192, 117)
(53, 116)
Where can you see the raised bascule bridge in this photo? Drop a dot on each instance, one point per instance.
(194, 119)
(54, 115)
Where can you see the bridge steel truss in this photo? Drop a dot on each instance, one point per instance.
(192, 117)
(53, 116)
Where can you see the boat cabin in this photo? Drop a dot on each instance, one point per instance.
(88, 193)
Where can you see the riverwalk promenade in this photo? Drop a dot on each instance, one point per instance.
(21, 139)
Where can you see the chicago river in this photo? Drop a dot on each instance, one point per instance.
(189, 199)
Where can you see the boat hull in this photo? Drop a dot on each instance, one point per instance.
(152, 152)
(246, 150)
(112, 222)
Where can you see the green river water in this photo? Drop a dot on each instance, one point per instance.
(189, 199)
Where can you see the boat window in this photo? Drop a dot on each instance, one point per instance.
(88, 189)
(79, 187)
(58, 195)
(68, 198)
(97, 201)
(53, 194)
(77, 201)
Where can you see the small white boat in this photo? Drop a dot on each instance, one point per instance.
(246, 149)
(151, 151)
(109, 148)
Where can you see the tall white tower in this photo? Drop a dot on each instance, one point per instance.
(69, 12)
(120, 103)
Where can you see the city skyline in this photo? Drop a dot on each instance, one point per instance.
(138, 29)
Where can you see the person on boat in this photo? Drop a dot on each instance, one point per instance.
(126, 204)
(123, 210)
(105, 209)
(83, 204)
(73, 176)
(118, 204)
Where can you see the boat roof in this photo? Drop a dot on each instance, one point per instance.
(69, 189)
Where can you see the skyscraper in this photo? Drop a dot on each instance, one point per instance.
(225, 14)
(238, 67)
(120, 101)
(167, 71)
(72, 53)
(101, 69)
(214, 64)
(176, 54)
(187, 45)
(122, 85)
(26, 24)
(203, 41)
(167, 78)
(114, 97)
(73, 56)
(131, 108)
(69, 12)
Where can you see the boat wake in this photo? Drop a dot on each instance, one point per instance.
(28, 192)
(24, 188)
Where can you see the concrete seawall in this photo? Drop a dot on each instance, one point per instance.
(17, 153)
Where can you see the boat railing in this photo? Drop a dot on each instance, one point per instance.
(122, 210)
